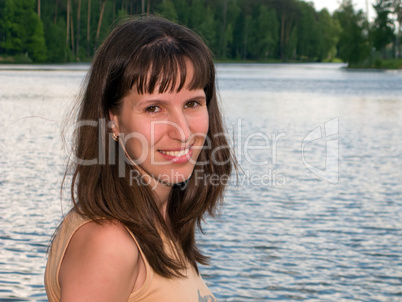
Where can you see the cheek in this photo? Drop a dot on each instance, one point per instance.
(138, 138)
(201, 123)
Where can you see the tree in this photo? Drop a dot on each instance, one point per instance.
(78, 28)
(11, 30)
(167, 10)
(308, 32)
(22, 30)
(383, 27)
(227, 40)
(36, 44)
(55, 36)
(208, 30)
(397, 9)
(201, 19)
(88, 27)
(100, 20)
(234, 29)
(222, 38)
(68, 21)
(181, 9)
(264, 34)
(56, 5)
(288, 12)
(330, 30)
(353, 45)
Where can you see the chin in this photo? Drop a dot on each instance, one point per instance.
(174, 178)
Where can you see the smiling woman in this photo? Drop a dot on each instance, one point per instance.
(173, 127)
(130, 235)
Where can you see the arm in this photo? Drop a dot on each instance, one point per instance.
(101, 264)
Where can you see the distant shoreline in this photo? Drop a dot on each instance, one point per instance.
(377, 64)
(381, 64)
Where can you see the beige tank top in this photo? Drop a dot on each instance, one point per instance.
(155, 288)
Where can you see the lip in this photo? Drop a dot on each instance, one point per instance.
(177, 159)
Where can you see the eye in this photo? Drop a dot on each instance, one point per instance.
(152, 109)
(192, 104)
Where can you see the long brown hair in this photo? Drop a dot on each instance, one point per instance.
(146, 54)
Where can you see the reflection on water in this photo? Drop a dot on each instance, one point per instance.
(284, 233)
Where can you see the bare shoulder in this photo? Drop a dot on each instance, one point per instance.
(100, 264)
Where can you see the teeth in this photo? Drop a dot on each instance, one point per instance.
(176, 153)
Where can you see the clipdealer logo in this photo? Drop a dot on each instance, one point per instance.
(329, 133)
(265, 146)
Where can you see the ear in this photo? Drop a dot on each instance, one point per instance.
(114, 122)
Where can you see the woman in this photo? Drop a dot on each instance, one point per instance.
(150, 159)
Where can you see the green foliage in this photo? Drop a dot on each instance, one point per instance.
(265, 30)
(22, 30)
(377, 63)
(207, 29)
(383, 27)
(309, 35)
(55, 40)
(353, 46)
(167, 10)
(22, 59)
(182, 11)
(264, 33)
(289, 15)
(290, 50)
(391, 64)
(36, 45)
(330, 30)
(13, 33)
(227, 33)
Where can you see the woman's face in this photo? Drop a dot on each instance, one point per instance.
(164, 132)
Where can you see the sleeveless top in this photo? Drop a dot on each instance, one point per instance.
(191, 288)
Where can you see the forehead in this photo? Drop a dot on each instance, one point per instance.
(181, 77)
(149, 73)
(168, 78)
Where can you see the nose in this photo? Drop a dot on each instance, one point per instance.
(179, 127)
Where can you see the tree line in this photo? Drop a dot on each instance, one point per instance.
(261, 30)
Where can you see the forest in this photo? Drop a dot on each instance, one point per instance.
(236, 30)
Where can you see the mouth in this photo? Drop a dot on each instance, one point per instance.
(176, 153)
(177, 156)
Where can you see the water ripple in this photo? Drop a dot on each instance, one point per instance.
(289, 236)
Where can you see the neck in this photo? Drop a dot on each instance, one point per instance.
(161, 193)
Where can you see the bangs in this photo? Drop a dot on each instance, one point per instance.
(162, 67)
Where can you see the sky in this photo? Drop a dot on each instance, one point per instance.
(332, 5)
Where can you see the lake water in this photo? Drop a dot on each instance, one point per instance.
(316, 214)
